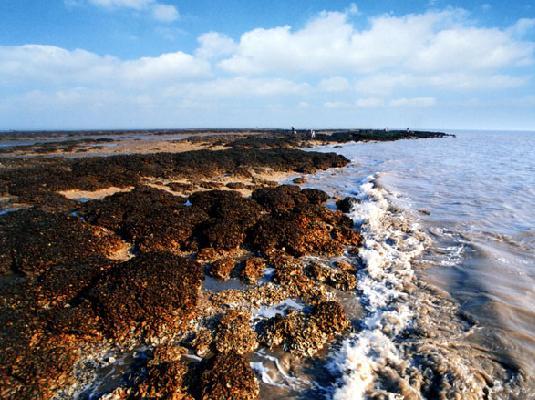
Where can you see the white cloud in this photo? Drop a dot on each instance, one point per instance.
(135, 4)
(213, 44)
(416, 61)
(522, 26)
(240, 87)
(165, 12)
(384, 84)
(352, 9)
(334, 84)
(48, 65)
(369, 102)
(434, 41)
(413, 102)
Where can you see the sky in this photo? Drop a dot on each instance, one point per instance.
(96, 64)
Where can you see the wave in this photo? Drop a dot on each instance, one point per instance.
(413, 341)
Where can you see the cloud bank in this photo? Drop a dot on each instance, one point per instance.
(332, 65)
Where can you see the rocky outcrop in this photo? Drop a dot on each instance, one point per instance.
(302, 333)
(229, 377)
(234, 333)
(153, 295)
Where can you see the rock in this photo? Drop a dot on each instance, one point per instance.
(35, 361)
(167, 353)
(299, 180)
(229, 377)
(62, 283)
(153, 219)
(33, 241)
(305, 334)
(231, 216)
(281, 198)
(164, 381)
(36, 181)
(181, 187)
(236, 185)
(347, 204)
(222, 269)
(152, 295)
(339, 279)
(311, 230)
(253, 269)
(210, 185)
(345, 266)
(235, 334)
(202, 342)
(315, 196)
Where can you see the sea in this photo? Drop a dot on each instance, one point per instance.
(447, 270)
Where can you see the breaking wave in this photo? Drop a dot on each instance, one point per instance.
(413, 341)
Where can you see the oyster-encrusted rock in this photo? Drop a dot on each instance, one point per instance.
(337, 278)
(302, 333)
(202, 342)
(154, 294)
(229, 377)
(164, 381)
(253, 269)
(347, 204)
(222, 269)
(235, 334)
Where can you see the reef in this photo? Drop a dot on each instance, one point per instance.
(84, 279)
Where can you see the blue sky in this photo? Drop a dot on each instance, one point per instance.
(164, 63)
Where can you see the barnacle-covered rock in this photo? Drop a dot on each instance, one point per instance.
(337, 278)
(229, 377)
(164, 381)
(153, 294)
(222, 269)
(347, 204)
(202, 342)
(302, 333)
(253, 269)
(32, 241)
(153, 219)
(231, 216)
(235, 334)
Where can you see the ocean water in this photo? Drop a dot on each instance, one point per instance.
(448, 267)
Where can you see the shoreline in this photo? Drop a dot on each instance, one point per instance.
(80, 299)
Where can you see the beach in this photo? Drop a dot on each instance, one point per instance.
(246, 264)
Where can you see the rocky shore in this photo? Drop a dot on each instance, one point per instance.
(103, 256)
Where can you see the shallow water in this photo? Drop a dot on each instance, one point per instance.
(474, 198)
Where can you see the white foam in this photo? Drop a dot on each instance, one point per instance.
(386, 255)
(265, 312)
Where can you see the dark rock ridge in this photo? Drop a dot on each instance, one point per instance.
(36, 181)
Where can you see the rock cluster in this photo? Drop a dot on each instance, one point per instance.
(154, 220)
(253, 269)
(338, 278)
(305, 333)
(69, 285)
(234, 333)
(36, 181)
(229, 377)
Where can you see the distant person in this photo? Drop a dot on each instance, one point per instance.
(312, 134)
(294, 131)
